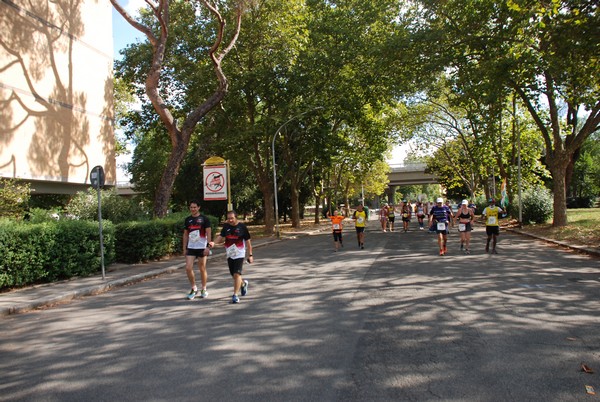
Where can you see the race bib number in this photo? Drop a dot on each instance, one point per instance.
(360, 219)
(492, 220)
(405, 215)
(234, 252)
(441, 226)
(462, 227)
(195, 236)
(336, 226)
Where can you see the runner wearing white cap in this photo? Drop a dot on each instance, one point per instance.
(441, 213)
(465, 217)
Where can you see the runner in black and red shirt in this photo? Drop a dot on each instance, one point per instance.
(196, 235)
(236, 237)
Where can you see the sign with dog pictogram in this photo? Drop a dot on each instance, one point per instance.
(215, 182)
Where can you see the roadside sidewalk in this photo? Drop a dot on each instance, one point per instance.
(116, 275)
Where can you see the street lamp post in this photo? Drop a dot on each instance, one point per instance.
(275, 170)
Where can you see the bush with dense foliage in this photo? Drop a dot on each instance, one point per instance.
(49, 251)
(537, 205)
(480, 203)
(14, 198)
(147, 240)
(150, 240)
(39, 215)
(115, 208)
(46, 249)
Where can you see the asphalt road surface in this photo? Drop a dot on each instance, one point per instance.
(392, 322)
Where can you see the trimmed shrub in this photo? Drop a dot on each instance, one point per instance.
(54, 250)
(49, 251)
(151, 240)
(24, 256)
(143, 241)
(77, 251)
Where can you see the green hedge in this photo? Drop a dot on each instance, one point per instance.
(145, 241)
(151, 240)
(50, 251)
(77, 250)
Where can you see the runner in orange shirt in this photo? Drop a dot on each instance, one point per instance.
(336, 225)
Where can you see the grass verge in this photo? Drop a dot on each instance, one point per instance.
(583, 228)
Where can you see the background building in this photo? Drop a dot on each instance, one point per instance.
(56, 93)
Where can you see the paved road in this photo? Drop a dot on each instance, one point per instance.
(391, 322)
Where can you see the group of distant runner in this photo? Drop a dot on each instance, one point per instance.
(440, 219)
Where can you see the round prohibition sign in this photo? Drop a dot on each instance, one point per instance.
(214, 182)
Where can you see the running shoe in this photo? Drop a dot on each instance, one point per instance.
(441, 252)
(494, 251)
(192, 294)
(487, 249)
(461, 246)
(244, 288)
(235, 299)
(203, 293)
(467, 251)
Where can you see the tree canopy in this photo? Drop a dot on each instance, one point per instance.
(545, 52)
(324, 89)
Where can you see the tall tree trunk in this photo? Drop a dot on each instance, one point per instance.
(164, 191)
(265, 184)
(269, 207)
(558, 168)
(295, 196)
(317, 209)
(569, 172)
(318, 193)
(180, 136)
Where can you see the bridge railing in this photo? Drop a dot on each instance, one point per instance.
(408, 167)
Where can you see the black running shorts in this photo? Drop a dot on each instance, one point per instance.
(196, 252)
(492, 230)
(235, 265)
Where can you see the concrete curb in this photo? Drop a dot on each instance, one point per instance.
(107, 286)
(581, 249)
(86, 291)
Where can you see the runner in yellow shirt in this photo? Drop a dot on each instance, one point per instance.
(360, 222)
(391, 216)
(491, 216)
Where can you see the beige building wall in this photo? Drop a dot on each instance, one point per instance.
(56, 92)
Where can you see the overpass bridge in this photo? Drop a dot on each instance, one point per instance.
(407, 174)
